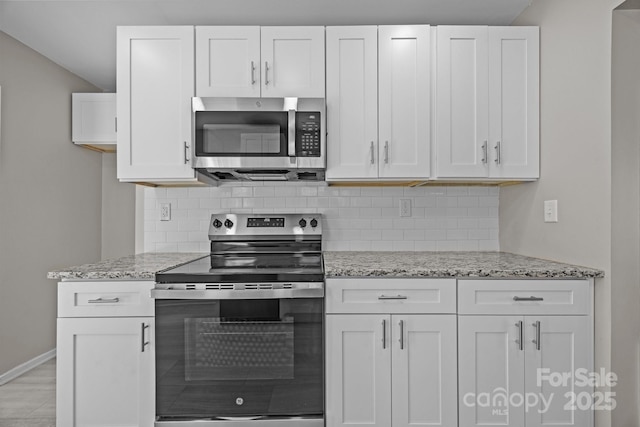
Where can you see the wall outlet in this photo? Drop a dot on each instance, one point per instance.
(165, 211)
(405, 207)
(550, 211)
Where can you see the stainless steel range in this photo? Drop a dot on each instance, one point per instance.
(239, 332)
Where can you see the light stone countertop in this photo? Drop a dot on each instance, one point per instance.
(133, 267)
(353, 264)
(450, 264)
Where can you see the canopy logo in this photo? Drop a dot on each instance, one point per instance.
(579, 393)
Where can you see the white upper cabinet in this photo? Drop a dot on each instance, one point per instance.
(272, 62)
(487, 102)
(155, 80)
(378, 102)
(293, 62)
(93, 120)
(514, 102)
(404, 65)
(228, 61)
(352, 102)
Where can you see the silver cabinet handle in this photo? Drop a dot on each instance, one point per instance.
(115, 119)
(104, 300)
(384, 333)
(186, 153)
(266, 73)
(519, 341)
(498, 153)
(142, 334)
(373, 160)
(484, 152)
(386, 152)
(253, 73)
(532, 298)
(383, 297)
(536, 341)
(401, 334)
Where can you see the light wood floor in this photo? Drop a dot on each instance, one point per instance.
(30, 400)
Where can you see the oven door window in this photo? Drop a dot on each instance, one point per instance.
(241, 134)
(239, 358)
(236, 349)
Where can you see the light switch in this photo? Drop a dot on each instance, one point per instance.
(550, 211)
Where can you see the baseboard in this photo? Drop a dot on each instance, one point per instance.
(27, 366)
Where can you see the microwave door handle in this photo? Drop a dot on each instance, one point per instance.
(292, 133)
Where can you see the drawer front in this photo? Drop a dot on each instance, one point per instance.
(524, 297)
(390, 295)
(105, 299)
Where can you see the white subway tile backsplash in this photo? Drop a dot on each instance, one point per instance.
(356, 218)
(242, 192)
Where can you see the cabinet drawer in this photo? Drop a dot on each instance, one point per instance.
(523, 297)
(390, 295)
(105, 299)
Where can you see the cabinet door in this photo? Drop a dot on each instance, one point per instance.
(155, 79)
(565, 347)
(358, 371)
(292, 62)
(514, 102)
(424, 370)
(462, 102)
(94, 119)
(352, 102)
(490, 369)
(404, 111)
(228, 61)
(104, 376)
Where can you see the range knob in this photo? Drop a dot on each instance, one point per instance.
(302, 223)
(217, 223)
(228, 223)
(314, 223)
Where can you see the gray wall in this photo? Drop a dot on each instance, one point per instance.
(50, 198)
(118, 212)
(625, 205)
(575, 130)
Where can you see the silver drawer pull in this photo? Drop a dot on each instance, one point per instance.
(104, 300)
(392, 297)
(528, 298)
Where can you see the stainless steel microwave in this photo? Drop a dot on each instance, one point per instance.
(260, 139)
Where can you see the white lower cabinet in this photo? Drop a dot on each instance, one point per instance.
(105, 365)
(511, 366)
(389, 369)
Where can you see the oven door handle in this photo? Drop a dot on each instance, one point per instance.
(196, 294)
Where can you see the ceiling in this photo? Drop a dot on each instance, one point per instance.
(80, 35)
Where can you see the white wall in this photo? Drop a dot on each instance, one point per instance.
(575, 125)
(50, 192)
(625, 202)
(356, 218)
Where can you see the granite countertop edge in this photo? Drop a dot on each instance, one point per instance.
(355, 264)
(132, 267)
(450, 265)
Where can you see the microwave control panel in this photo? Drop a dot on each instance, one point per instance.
(308, 134)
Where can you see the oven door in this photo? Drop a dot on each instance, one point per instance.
(230, 361)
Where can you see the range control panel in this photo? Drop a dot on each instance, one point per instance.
(308, 134)
(224, 225)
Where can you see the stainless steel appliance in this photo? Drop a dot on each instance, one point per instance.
(239, 332)
(259, 139)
